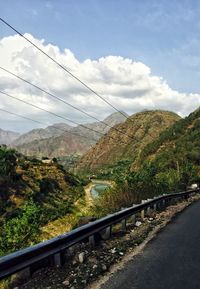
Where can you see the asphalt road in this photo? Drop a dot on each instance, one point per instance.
(170, 261)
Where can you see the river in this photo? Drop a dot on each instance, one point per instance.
(98, 188)
(95, 188)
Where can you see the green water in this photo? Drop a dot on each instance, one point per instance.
(98, 189)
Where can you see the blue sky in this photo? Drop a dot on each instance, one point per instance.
(162, 34)
(137, 54)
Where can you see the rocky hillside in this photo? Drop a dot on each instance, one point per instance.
(111, 120)
(138, 130)
(7, 137)
(177, 147)
(41, 133)
(66, 144)
(52, 142)
(32, 193)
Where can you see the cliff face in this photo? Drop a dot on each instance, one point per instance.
(135, 133)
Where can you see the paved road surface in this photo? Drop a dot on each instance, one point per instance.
(169, 261)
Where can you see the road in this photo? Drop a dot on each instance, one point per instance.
(169, 261)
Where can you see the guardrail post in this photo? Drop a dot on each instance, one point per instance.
(57, 259)
(123, 222)
(163, 203)
(106, 234)
(148, 211)
(24, 274)
(142, 214)
(133, 219)
(92, 240)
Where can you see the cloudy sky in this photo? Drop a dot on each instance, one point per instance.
(136, 54)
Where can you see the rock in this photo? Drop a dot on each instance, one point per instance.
(121, 253)
(150, 219)
(81, 257)
(95, 267)
(104, 267)
(66, 282)
(113, 251)
(138, 223)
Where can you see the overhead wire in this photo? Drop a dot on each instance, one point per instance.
(63, 67)
(57, 115)
(63, 101)
(43, 123)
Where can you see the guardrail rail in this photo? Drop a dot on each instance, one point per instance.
(52, 252)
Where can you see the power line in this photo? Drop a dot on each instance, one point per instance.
(62, 67)
(52, 113)
(43, 123)
(57, 115)
(63, 101)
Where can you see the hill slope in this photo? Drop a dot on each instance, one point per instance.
(176, 147)
(141, 128)
(41, 133)
(7, 137)
(66, 144)
(51, 142)
(32, 193)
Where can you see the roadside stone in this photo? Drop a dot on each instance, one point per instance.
(113, 251)
(81, 257)
(66, 282)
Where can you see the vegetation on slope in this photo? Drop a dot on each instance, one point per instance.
(32, 193)
(168, 164)
(137, 131)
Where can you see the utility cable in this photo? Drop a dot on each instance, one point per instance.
(62, 67)
(55, 114)
(43, 123)
(63, 101)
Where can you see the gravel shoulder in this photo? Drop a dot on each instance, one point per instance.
(89, 268)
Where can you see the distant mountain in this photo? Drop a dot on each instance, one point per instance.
(42, 133)
(7, 137)
(66, 144)
(111, 120)
(51, 142)
(137, 131)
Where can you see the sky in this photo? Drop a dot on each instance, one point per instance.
(136, 54)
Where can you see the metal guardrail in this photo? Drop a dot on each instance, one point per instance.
(51, 252)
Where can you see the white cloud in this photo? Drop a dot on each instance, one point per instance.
(127, 84)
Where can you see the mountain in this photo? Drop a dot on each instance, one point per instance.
(65, 144)
(177, 148)
(111, 120)
(51, 142)
(42, 133)
(125, 141)
(7, 137)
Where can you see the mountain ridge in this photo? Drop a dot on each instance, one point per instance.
(139, 129)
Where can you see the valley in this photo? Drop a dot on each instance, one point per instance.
(56, 195)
